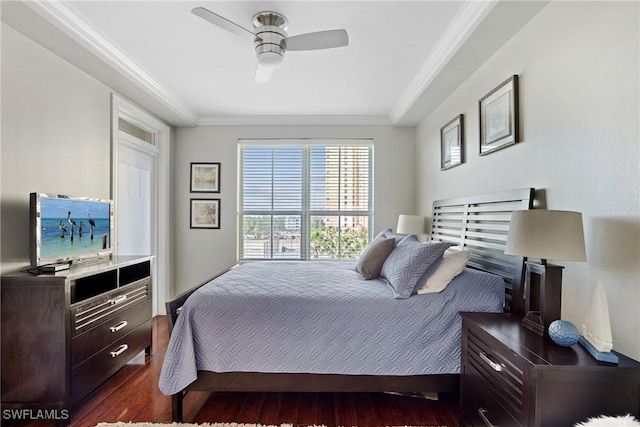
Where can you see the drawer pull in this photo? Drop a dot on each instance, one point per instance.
(119, 350)
(119, 326)
(483, 414)
(117, 300)
(494, 365)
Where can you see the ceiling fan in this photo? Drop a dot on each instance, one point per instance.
(271, 41)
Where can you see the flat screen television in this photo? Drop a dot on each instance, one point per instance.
(69, 229)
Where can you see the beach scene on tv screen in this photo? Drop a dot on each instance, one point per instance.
(72, 227)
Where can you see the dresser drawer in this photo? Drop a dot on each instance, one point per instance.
(94, 371)
(497, 370)
(89, 314)
(480, 406)
(95, 339)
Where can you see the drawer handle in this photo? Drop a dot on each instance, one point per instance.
(118, 300)
(119, 350)
(119, 326)
(483, 414)
(494, 365)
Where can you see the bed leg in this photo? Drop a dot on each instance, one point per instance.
(176, 406)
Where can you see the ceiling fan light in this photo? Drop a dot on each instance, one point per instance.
(270, 59)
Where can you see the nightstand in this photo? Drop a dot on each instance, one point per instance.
(511, 376)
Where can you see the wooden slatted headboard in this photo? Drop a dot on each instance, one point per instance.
(481, 224)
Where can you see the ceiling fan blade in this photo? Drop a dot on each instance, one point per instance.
(263, 74)
(319, 40)
(224, 23)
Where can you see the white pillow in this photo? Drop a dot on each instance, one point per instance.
(453, 262)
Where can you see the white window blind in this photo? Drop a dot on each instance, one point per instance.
(304, 200)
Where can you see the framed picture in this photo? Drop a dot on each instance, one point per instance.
(205, 213)
(499, 117)
(205, 177)
(452, 143)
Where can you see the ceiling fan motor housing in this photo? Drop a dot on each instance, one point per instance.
(270, 45)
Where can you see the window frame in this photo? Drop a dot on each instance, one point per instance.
(305, 214)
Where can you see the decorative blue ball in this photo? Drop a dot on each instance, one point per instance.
(563, 333)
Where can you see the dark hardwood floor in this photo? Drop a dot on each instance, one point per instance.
(133, 395)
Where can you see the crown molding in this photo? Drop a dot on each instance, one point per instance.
(61, 15)
(462, 26)
(285, 120)
(66, 20)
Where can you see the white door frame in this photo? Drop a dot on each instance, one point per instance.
(121, 108)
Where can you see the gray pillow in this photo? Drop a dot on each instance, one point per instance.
(389, 234)
(408, 262)
(371, 260)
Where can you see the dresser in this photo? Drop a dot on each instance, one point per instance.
(65, 333)
(511, 376)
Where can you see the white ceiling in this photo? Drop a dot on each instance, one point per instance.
(402, 58)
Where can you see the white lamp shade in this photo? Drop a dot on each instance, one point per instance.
(546, 234)
(410, 224)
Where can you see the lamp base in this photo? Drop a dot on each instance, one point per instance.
(602, 356)
(542, 296)
(533, 321)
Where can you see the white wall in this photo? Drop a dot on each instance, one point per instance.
(55, 136)
(203, 253)
(580, 144)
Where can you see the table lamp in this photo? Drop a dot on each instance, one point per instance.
(410, 224)
(544, 234)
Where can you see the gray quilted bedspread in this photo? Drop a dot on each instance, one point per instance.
(320, 317)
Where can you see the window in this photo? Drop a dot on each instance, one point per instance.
(304, 200)
(135, 130)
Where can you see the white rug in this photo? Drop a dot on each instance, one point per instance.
(627, 421)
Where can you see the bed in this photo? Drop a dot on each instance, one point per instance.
(250, 329)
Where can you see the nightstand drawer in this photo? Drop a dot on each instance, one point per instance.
(497, 370)
(480, 406)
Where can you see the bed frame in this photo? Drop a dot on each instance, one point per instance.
(478, 223)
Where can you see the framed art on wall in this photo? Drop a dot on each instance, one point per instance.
(499, 117)
(452, 143)
(205, 177)
(205, 213)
